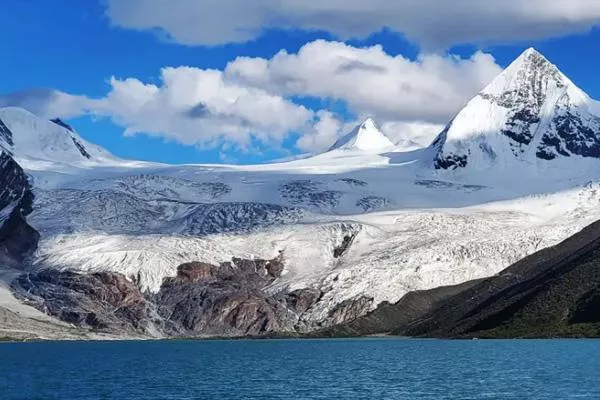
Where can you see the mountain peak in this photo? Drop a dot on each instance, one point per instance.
(368, 123)
(530, 112)
(62, 123)
(28, 137)
(531, 74)
(365, 137)
(531, 51)
(529, 58)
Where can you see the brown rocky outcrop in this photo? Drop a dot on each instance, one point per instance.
(201, 300)
(228, 299)
(101, 301)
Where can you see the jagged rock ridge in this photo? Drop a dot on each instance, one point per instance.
(17, 238)
(6, 135)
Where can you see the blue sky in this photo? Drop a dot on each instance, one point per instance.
(69, 50)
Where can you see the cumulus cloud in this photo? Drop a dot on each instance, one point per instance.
(432, 88)
(256, 99)
(412, 134)
(431, 23)
(47, 103)
(325, 131)
(197, 106)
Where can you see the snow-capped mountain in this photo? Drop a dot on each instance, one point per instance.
(365, 137)
(350, 228)
(530, 114)
(29, 138)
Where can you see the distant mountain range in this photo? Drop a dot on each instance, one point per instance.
(305, 245)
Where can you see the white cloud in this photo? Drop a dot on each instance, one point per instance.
(322, 134)
(431, 23)
(253, 97)
(196, 106)
(47, 103)
(411, 135)
(369, 80)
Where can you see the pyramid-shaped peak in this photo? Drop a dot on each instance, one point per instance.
(530, 76)
(531, 59)
(530, 112)
(531, 52)
(366, 137)
(369, 123)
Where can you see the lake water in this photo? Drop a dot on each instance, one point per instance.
(301, 369)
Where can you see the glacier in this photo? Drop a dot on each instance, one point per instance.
(514, 172)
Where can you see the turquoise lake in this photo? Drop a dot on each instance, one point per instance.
(302, 369)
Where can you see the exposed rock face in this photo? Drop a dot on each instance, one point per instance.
(224, 300)
(81, 148)
(17, 238)
(343, 247)
(350, 232)
(526, 97)
(572, 132)
(62, 123)
(387, 318)
(202, 300)
(102, 301)
(349, 310)
(15, 184)
(5, 134)
(302, 300)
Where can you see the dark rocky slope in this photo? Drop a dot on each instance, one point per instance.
(104, 301)
(17, 238)
(552, 293)
(387, 317)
